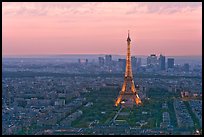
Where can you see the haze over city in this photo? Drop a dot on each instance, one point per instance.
(98, 68)
(173, 29)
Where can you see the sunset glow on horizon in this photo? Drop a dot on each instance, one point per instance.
(48, 28)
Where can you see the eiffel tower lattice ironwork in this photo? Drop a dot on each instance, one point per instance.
(128, 90)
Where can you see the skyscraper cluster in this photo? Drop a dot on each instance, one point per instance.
(160, 62)
(107, 60)
(152, 63)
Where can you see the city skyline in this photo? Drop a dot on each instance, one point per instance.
(98, 68)
(84, 28)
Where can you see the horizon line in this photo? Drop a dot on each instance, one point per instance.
(75, 54)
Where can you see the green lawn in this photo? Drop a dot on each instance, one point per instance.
(103, 100)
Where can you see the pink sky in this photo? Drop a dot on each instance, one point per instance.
(101, 28)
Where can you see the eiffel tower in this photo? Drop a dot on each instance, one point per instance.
(128, 91)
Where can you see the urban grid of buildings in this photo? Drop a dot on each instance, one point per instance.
(50, 96)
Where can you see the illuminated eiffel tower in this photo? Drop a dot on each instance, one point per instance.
(128, 91)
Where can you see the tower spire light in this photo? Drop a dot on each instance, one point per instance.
(128, 39)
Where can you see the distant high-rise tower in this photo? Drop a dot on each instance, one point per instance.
(139, 62)
(101, 61)
(162, 62)
(170, 62)
(122, 63)
(108, 59)
(128, 92)
(152, 60)
(186, 67)
(134, 61)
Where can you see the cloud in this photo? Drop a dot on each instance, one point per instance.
(99, 8)
(164, 7)
(22, 9)
(45, 8)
